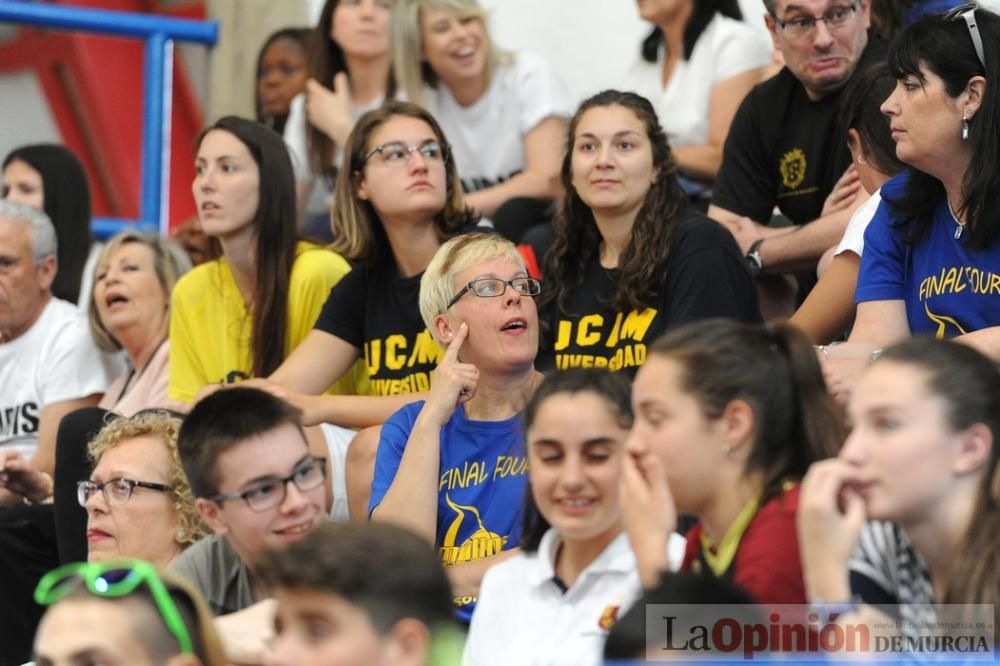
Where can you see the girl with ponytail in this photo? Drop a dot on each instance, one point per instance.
(908, 513)
(728, 418)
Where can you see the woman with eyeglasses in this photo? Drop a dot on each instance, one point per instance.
(630, 258)
(137, 502)
(137, 499)
(932, 251)
(504, 112)
(697, 65)
(452, 467)
(123, 612)
(399, 199)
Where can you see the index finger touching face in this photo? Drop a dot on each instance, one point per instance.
(451, 354)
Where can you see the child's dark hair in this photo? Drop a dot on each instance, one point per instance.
(223, 420)
(386, 570)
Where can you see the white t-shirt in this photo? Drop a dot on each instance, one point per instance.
(54, 361)
(854, 234)
(725, 48)
(487, 137)
(524, 617)
(296, 129)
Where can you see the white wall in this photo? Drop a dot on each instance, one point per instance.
(26, 115)
(589, 42)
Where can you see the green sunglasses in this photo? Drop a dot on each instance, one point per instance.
(115, 579)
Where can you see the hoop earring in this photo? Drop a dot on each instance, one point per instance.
(862, 160)
(965, 128)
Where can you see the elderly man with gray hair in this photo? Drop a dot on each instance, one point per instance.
(49, 364)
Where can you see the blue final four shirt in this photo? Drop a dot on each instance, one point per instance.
(481, 485)
(948, 288)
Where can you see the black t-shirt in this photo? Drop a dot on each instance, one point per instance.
(706, 276)
(377, 311)
(784, 149)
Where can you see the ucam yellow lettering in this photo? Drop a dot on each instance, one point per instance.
(563, 335)
(588, 331)
(395, 352)
(373, 357)
(426, 350)
(637, 324)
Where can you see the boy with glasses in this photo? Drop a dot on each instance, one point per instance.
(257, 486)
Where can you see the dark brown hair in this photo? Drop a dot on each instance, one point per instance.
(945, 48)
(578, 240)
(387, 571)
(275, 232)
(326, 58)
(775, 370)
(223, 420)
(969, 385)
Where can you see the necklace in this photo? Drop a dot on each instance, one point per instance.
(959, 226)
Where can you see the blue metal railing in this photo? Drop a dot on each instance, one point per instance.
(159, 34)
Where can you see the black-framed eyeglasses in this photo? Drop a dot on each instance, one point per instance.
(117, 492)
(270, 493)
(968, 12)
(397, 153)
(493, 287)
(834, 18)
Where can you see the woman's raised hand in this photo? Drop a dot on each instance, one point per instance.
(453, 384)
(648, 513)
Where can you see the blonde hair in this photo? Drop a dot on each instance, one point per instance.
(409, 67)
(437, 286)
(169, 262)
(163, 426)
(357, 229)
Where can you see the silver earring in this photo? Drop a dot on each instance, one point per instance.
(727, 449)
(965, 128)
(180, 534)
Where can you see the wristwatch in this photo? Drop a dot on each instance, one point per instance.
(754, 261)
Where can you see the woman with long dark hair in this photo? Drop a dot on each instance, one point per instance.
(51, 178)
(350, 72)
(239, 316)
(728, 418)
(630, 259)
(932, 252)
(931, 408)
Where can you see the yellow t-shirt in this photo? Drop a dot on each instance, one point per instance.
(211, 327)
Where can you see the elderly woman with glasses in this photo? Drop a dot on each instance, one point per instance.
(123, 612)
(137, 499)
(932, 252)
(452, 467)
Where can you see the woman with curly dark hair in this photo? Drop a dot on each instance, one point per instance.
(630, 259)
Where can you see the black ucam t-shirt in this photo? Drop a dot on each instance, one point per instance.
(784, 149)
(705, 277)
(376, 310)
